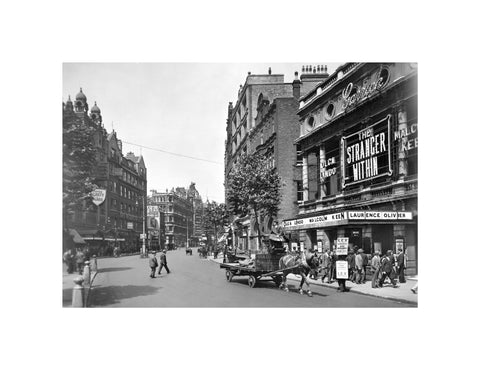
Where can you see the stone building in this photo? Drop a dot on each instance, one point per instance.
(119, 219)
(178, 210)
(358, 145)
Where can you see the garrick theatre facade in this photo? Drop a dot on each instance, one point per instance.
(359, 146)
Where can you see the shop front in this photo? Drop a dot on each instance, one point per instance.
(372, 230)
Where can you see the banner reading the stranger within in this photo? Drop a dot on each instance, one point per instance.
(366, 153)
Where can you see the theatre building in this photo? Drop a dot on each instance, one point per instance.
(358, 144)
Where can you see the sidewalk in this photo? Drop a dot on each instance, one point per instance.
(402, 293)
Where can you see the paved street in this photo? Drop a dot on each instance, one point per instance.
(196, 282)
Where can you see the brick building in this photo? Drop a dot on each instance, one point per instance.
(263, 119)
(358, 145)
(119, 219)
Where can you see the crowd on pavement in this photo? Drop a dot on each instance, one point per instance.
(75, 259)
(383, 268)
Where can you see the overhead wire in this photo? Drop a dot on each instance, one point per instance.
(172, 153)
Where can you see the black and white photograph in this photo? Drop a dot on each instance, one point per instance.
(302, 191)
(239, 184)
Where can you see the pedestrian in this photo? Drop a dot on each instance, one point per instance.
(68, 259)
(375, 269)
(387, 270)
(153, 264)
(80, 260)
(415, 288)
(364, 265)
(359, 266)
(341, 281)
(401, 266)
(351, 265)
(333, 266)
(163, 262)
(325, 263)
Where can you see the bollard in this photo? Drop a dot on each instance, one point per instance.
(77, 293)
(93, 263)
(86, 273)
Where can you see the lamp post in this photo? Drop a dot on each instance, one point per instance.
(144, 248)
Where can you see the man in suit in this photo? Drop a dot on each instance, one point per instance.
(163, 262)
(359, 266)
(326, 264)
(401, 266)
(364, 265)
(153, 264)
(387, 269)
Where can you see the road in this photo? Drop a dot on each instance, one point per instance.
(196, 282)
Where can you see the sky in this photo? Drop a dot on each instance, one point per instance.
(173, 107)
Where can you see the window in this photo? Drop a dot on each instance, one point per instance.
(299, 191)
(299, 161)
(310, 124)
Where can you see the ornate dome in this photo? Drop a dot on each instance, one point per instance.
(81, 96)
(95, 109)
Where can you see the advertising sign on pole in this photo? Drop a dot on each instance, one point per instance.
(98, 196)
(342, 246)
(342, 269)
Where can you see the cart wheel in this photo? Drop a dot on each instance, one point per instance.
(251, 281)
(229, 275)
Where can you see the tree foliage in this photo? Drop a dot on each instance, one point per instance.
(253, 187)
(78, 162)
(215, 218)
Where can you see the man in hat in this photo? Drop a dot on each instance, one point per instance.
(364, 265)
(359, 266)
(401, 266)
(153, 264)
(387, 269)
(163, 262)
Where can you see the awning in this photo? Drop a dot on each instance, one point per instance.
(76, 236)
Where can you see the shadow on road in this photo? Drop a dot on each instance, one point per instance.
(104, 296)
(113, 269)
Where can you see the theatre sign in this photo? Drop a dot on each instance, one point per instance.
(366, 153)
(344, 218)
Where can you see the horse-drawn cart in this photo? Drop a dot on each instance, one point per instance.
(264, 266)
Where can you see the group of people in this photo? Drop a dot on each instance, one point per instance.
(74, 259)
(389, 266)
(153, 263)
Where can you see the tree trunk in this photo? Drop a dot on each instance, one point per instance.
(259, 237)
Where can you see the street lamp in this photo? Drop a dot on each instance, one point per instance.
(144, 248)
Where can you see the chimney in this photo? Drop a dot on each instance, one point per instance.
(296, 87)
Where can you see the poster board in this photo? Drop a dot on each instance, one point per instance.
(342, 269)
(342, 246)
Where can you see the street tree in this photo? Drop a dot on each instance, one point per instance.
(78, 164)
(253, 187)
(216, 218)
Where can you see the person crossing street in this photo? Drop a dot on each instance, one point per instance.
(163, 262)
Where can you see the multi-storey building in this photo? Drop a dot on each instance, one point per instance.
(156, 227)
(358, 145)
(264, 119)
(178, 211)
(198, 216)
(119, 219)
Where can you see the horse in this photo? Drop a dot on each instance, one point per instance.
(294, 265)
